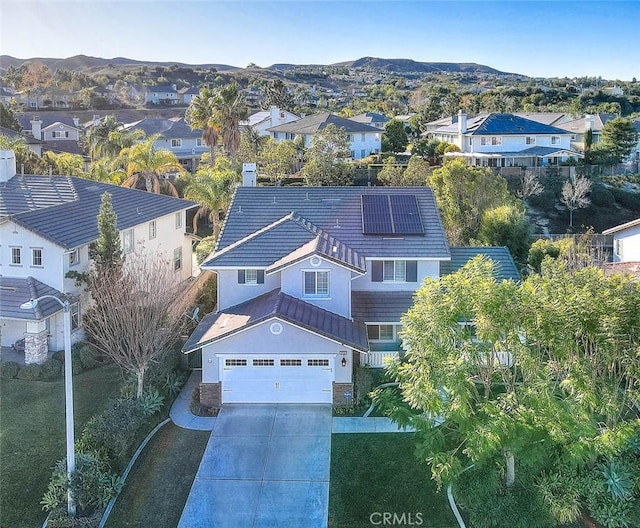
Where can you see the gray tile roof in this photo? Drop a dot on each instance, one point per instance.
(370, 117)
(15, 291)
(63, 209)
(311, 124)
(505, 266)
(30, 140)
(173, 128)
(380, 307)
(284, 307)
(503, 124)
(283, 242)
(336, 211)
(47, 120)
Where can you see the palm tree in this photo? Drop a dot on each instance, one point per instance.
(230, 109)
(212, 188)
(201, 114)
(108, 137)
(145, 167)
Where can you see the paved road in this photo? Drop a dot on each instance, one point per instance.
(265, 465)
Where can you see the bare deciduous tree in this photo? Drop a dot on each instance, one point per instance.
(529, 186)
(137, 314)
(574, 195)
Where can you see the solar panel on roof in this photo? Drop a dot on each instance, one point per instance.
(405, 214)
(376, 214)
(391, 214)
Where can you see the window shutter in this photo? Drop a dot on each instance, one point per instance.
(241, 277)
(412, 271)
(376, 271)
(260, 277)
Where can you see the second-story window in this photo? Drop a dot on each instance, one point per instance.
(530, 140)
(198, 142)
(36, 257)
(555, 140)
(128, 242)
(316, 283)
(16, 256)
(250, 276)
(394, 271)
(179, 220)
(152, 229)
(495, 140)
(74, 257)
(176, 143)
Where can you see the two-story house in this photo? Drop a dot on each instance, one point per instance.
(364, 139)
(311, 282)
(175, 136)
(161, 95)
(57, 133)
(506, 140)
(46, 226)
(261, 122)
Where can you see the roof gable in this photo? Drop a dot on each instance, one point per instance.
(311, 124)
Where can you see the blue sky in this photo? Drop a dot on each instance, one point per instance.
(540, 39)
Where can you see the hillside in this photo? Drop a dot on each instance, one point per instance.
(411, 66)
(84, 62)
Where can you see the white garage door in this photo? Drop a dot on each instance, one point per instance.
(281, 379)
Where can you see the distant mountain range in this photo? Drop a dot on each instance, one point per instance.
(84, 62)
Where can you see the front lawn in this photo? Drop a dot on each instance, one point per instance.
(374, 474)
(159, 483)
(32, 436)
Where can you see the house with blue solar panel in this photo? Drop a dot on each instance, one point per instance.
(312, 282)
(506, 140)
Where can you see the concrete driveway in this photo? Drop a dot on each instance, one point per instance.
(265, 465)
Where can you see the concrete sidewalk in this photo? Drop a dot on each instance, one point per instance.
(349, 424)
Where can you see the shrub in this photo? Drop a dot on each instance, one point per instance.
(59, 356)
(31, 372)
(204, 248)
(627, 199)
(115, 430)
(545, 200)
(76, 364)
(51, 369)
(602, 197)
(151, 402)
(60, 519)
(88, 355)
(9, 369)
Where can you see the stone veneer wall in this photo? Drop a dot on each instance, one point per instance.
(36, 347)
(211, 394)
(339, 390)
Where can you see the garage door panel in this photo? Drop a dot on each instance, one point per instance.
(304, 379)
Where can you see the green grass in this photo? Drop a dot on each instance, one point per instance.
(32, 436)
(158, 486)
(376, 473)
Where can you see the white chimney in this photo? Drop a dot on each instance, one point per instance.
(462, 122)
(249, 174)
(588, 122)
(274, 115)
(76, 121)
(36, 127)
(7, 165)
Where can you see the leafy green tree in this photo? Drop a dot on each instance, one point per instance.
(25, 157)
(507, 225)
(62, 163)
(325, 162)
(108, 137)
(463, 194)
(278, 159)
(230, 109)
(417, 172)
(146, 168)
(394, 138)
(8, 119)
(251, 144)
(620, 136)
(391, 173)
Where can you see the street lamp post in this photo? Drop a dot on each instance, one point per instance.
(68, 391)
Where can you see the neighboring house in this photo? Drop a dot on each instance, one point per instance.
(50, 127)
(186, 95)
(626, 241)
(262, 121)
(161, 95)
(578, 127)
(372, 119)
(176, 136)
(506, 268)
(7, 96)
(35, 145)
(506, 140)
(46, 226)
(364, 139)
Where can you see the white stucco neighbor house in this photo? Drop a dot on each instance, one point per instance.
(364, 139)
(313, 281)
(506, 140)
(46, 226)
(626, 241)
(262, 121)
